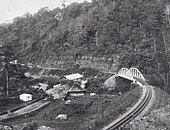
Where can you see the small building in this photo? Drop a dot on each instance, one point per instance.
(76, 90)
(62, 117)
(25, 97)
(56, 85)
(27, 74)
(13, 62)
(73, 76)
(58, 92)
(83, 83)
(41, 86)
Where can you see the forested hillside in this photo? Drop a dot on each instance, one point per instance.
(137, 30)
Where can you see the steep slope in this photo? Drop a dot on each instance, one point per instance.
(97, 28)
(158, 117)
(137, 31)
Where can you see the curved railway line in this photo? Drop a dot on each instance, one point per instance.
(136, 110)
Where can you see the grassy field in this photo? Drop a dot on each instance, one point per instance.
(94, 111)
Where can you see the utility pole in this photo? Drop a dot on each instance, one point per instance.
(102, 105)
(7, 84)
(102, 100)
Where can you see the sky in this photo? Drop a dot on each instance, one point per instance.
(9, 9)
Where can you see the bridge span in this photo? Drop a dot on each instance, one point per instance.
(142, 104)
(130, 74)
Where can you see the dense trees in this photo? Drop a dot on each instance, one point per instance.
(138, 30)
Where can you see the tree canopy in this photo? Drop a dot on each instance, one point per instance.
(130, 28)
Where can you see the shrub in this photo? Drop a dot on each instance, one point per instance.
(30, 126)
(155, 80)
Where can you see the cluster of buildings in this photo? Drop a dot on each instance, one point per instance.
(75, 87)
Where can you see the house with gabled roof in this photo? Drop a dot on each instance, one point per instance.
(76, 90)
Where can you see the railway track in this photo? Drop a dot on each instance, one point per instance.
(26, 110)
(134, 111)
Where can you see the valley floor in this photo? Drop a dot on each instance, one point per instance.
(82, 113)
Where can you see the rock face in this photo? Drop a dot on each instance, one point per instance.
(110, 82)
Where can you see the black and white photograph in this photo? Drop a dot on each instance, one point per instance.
(84, 64)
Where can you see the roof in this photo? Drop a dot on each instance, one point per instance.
(43, 84)
(73, 76)
(75, 88)
(25, 94)
(56, 89)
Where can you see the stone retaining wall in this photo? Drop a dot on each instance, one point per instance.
(104, 63)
